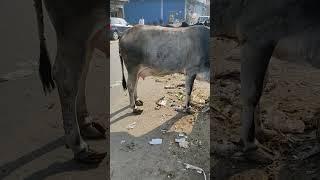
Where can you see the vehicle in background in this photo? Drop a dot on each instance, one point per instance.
(203, 19)
(117, 27)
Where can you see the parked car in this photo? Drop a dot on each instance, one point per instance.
(203, 20)
(117, 27)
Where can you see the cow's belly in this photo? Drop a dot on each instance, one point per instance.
(145, 71)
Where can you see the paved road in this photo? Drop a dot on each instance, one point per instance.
(116, 90)
(31, 127)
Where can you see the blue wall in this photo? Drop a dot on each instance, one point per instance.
(151, 10)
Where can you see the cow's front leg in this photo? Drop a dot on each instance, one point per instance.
(67, 73)
(189, 86)
(254, 63)
(132, 88)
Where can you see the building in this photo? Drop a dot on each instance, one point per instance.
(165, 11)
(116, 8)
(196, 8)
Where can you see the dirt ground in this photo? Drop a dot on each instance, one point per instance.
(131, 154)
(289, 105)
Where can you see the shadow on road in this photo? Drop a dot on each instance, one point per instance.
(10, 167)
(54, 168)
(57, 168)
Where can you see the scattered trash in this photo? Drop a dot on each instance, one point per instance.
(182, 142)
(122, 141)
(162, 102)
(164, 131)
(169, 87)
(155, 141)
(132, 125)
(180, 96)
(199, 170)
(180, 85)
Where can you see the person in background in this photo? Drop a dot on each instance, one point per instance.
(141, 21)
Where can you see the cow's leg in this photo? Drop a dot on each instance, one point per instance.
(67, 73)
(254, 63)
(189, 86)
(262, 134)
(88, 128)
(138, 101)
(132, 88)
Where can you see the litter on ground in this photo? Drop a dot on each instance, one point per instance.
(155, 141)
(132, 125)
(182, 142)
(162, 102)
(199, 170)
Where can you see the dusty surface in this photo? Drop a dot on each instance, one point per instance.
(31, 131)
(289, 105)
(132, 157)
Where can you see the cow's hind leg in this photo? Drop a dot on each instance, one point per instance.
(88, 128)
(132, 89)
(262, 133)
(68, 68)
(190, 77)
(254, 63)
(138, 101)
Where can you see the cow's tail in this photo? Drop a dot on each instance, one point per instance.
(124, 83)
(44, 60)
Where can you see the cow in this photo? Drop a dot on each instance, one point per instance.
(156, 50)
(80, 29)
(285, 28)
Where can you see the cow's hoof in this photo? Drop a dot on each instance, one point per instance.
(89, 156)
(137, 111)
(139, 102)
(184, 109)
(250, 147)
(93, 130)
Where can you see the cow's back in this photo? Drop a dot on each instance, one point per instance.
(165, 48)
